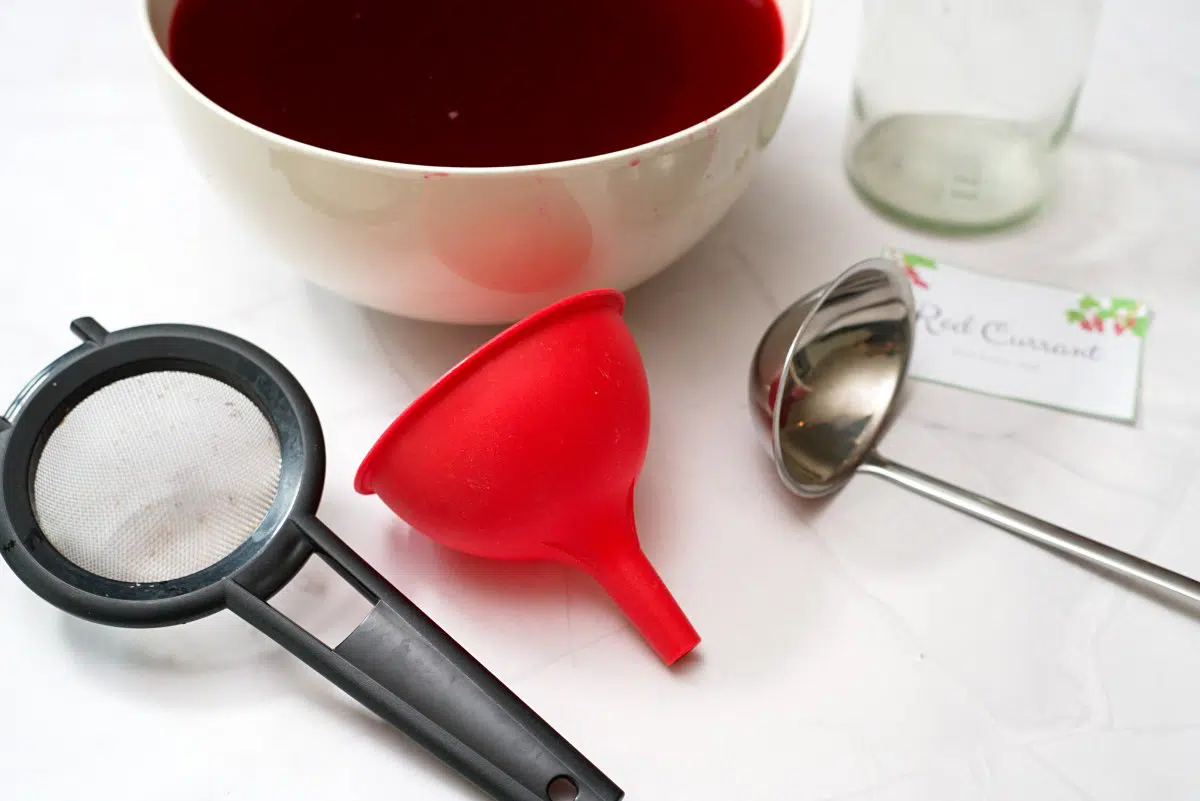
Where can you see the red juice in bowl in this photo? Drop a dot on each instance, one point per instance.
(475, 83)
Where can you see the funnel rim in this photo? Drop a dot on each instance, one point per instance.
(593, 298)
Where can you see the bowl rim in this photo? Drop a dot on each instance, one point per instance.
(790, 55)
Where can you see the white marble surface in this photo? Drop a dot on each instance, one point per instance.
(875, 647)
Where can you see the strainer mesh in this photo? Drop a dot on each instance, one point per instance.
(157, 476)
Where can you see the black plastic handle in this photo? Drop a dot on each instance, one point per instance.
(402, 666)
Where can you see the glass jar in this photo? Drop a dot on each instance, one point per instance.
(959, 106)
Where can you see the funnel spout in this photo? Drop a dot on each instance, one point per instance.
(633, 583)
(612, 555)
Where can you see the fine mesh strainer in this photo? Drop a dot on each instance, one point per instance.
(159, 474)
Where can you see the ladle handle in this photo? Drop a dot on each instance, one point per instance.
(1034, 529)
(399, 664)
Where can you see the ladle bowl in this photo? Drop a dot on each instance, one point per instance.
(827, 373)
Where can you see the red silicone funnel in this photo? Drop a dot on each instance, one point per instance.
(530, 449)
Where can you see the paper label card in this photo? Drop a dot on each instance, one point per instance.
(1070, 350)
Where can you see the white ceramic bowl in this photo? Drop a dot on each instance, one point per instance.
(480, 245)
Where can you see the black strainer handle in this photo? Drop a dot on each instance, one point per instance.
(401, 665)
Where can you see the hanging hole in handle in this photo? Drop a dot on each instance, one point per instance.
(562, 789)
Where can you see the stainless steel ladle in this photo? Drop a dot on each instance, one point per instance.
(824, 382)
